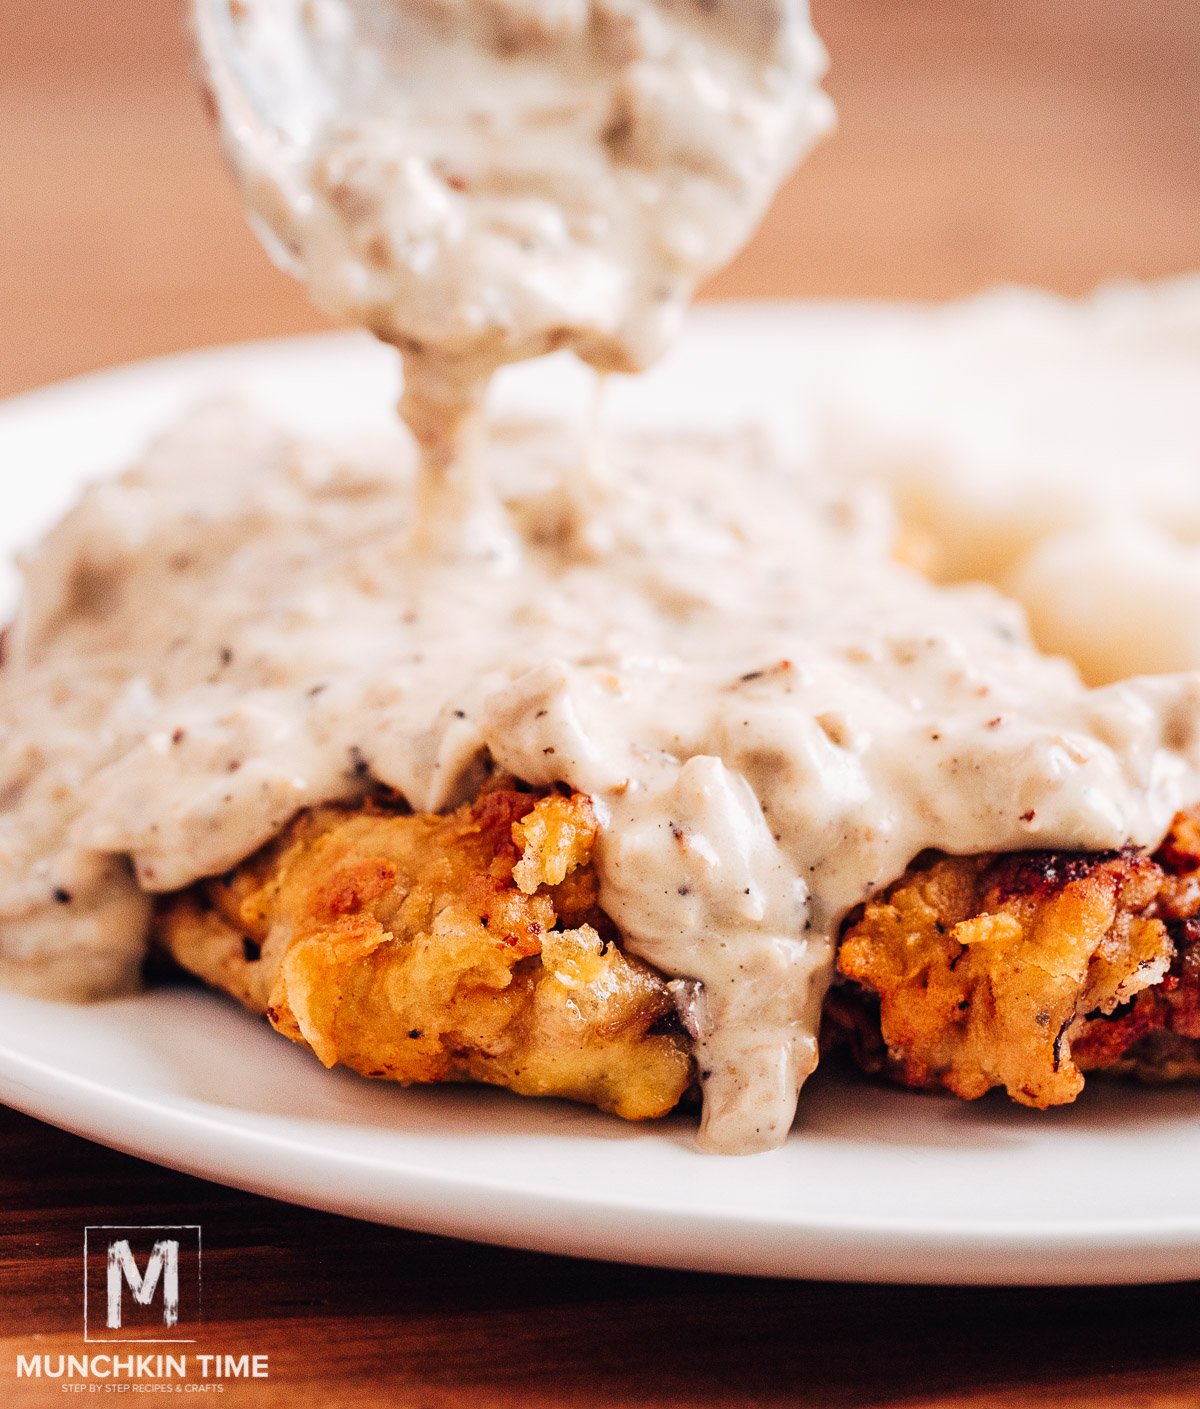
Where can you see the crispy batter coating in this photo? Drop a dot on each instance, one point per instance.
(420, 948)
(471, 947)
(1157, 1037)
(1025, 971)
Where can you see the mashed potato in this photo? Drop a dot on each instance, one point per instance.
(1052, 448)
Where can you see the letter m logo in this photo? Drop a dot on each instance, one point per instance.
(141, 1283)
(123, 1270)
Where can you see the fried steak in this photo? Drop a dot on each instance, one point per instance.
(472, 947)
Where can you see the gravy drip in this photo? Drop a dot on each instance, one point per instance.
(773, 716)
(483, 181)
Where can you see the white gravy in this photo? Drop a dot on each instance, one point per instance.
(482, 181)
(772, 716)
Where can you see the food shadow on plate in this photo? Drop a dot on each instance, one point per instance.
(220, 1055)
(841, 1104)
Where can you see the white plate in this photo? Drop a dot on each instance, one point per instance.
(873, 1185)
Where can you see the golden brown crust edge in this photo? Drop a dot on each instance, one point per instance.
(471, 947)
(421, 948)
(1025, 971)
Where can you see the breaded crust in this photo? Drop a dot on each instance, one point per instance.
(1026, 971)
(420, 948)
(471, 947)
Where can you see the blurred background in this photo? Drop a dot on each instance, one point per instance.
(1047, 141)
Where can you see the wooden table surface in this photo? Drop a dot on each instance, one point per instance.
(1044, 140)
